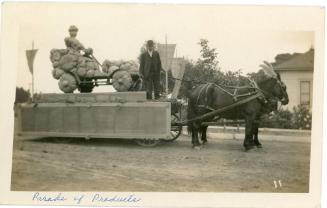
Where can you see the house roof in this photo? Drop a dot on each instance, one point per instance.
(297, 62)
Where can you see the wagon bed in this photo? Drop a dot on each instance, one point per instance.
(125, 115)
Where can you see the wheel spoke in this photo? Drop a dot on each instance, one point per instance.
(175, 130)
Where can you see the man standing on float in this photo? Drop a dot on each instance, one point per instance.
(150, 66)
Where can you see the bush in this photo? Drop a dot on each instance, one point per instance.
(279, 119)
(22, 95)
(300, 118)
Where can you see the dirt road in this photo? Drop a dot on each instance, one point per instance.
(121, 165)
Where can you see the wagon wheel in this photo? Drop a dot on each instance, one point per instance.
(175, 129)
(147, 142)
(86, 87)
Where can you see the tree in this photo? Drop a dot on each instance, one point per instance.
(204, 70)
(22, 95)
(208, 56)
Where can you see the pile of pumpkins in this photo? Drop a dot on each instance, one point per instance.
(71, 68)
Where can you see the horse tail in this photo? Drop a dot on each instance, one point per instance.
(205, 94)
(189, 128)
(189, 86)
(190, 115)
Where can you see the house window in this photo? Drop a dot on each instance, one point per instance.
(305, 93)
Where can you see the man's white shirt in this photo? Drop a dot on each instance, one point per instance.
(150, 53)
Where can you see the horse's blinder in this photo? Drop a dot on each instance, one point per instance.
(284, 100)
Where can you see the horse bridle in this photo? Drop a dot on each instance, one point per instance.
(282, 87)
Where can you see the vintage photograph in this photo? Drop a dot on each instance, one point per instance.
(162, 98)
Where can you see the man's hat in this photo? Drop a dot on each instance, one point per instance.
(150, 43)
(73, 28)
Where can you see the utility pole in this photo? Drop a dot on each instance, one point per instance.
(167, 67)
(30, 55)
(33, 75)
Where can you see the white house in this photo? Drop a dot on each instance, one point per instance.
(296, 72)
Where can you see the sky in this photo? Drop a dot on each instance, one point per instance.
(118, 32)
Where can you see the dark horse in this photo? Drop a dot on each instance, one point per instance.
(259, 97)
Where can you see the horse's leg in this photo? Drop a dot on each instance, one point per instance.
(195, 136)
(255, 134)
(204, 134)
(248, 140)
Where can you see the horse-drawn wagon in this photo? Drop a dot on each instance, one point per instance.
(127, 114)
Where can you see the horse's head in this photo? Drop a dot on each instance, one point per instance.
(275, 86)
(280, 91)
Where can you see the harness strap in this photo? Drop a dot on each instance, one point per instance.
(206, 107)
(234, 95)
(197, 100)
(206, 87)
(220, 110)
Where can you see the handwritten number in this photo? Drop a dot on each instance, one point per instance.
(279, 184)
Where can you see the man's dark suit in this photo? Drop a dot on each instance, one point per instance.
(150, 70)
